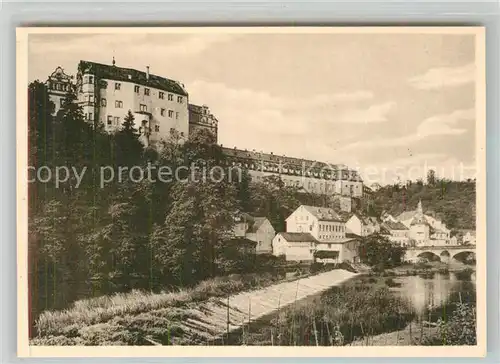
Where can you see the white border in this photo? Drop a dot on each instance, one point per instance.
(24, 350)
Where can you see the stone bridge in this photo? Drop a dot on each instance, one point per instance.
(445, 253)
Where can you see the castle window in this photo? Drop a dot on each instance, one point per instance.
(110, 119)
(170, 113)
(116, 120)
(177, 115)
(118, 104)
(157, 128)
(146, 91)
(118, 86)
(143, 107)
(103, 102)
(161, 95)
(162, 112)
(90, 116)
(179, 99)
(61, 102)
(136, 89)
(170, 97)
(91, 79)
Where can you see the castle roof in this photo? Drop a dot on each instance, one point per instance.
(131, 75)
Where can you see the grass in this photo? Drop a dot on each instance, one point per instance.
(105, 309)
(131, 318)
(342, 315)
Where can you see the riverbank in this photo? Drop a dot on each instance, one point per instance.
(413, 334)
(367, 310)
(198, 316)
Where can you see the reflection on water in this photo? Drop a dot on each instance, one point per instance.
(438, 291)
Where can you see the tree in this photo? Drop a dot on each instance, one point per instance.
(376, 250)
(128, 148)
(431, 177)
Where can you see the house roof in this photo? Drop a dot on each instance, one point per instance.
(298, 237)
(324, 213)
(352, 236)
(242, 241)
(407, 215)
(131, 75)
(321, 254)
(254, 223)
(391, 225)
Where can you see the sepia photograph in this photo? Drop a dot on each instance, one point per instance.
(260, 190)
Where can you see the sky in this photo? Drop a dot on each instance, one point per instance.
(391, 105)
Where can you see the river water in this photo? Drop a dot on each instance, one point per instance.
(435, 292)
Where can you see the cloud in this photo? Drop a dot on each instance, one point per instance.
(373, 114)
(444, 124)
(264, 121)
(437, 78)
(432, 126)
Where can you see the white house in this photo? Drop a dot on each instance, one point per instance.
(362, 225)
(258, 229)
(425, 230)
(396, 232)
(469, 237)
(313, 229)
(295, 246)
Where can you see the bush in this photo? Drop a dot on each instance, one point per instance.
(391, 283)
(460, 329)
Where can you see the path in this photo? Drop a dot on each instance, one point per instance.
(209, 320)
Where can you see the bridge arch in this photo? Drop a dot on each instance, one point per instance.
(465, 256)
(429, 255)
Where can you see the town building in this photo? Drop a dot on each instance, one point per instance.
(425, 230)
(200, 117)
(311, 230)
(58, 85)
(422, 229)
(107, 92)
(311, 176)
(362, 225)
(396, 232)
(295, 246)
(466, 237)
(257, 229)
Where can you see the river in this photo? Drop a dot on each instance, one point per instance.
(353, 307)
(434, 294)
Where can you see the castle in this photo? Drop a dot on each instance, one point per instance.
(161, 105)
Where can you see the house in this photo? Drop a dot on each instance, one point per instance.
(425, 230)
(257, 229)
(241, 245)
(295, 246)
(469, 237)
(344, 250)
(362, 225)
(312, 229)
(396, 232)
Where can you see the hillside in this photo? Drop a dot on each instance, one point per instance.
(453, 202)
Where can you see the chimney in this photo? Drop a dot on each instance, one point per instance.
(147, 72)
